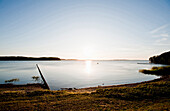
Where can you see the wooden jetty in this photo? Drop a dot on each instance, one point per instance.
(45, 83)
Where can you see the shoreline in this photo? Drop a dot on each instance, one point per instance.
(38, 86)
(26, 87)
(92, 89)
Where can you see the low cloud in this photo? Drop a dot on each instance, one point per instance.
(160, 40)
(162, 44)
(164, 35)
(158, 29)
(161, 35)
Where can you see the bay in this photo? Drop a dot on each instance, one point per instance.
(78, 74)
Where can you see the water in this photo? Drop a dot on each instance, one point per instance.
(78, 74)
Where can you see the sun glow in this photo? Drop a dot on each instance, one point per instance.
(88, 52)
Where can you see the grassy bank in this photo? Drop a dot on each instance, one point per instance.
(151, 96)
(161, 71)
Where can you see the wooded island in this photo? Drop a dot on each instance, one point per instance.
(164, 58)
(22, 58)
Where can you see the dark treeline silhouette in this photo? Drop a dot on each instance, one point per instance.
(21, 58)
(164, 58)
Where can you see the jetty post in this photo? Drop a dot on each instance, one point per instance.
(45, 83)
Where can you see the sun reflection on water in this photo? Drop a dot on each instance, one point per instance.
(88, 67)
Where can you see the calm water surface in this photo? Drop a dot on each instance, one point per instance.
(78, 74)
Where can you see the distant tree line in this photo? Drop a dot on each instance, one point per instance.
(164, 58)
(21, 58)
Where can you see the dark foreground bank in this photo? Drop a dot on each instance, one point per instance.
(147, 96)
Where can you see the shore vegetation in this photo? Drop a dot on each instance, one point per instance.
(160, 71)
(11, 80)
(163, 58)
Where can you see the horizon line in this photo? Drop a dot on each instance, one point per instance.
(78, 59)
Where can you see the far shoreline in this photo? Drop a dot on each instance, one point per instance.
(24, 58)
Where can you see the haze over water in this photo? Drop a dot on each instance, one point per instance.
(78, 74)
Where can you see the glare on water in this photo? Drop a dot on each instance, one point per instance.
(88, 67)
(78, 74)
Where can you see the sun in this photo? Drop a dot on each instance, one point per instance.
(88, 52)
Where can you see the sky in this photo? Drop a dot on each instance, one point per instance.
(85, 29)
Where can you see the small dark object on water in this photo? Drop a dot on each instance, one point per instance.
(103, 84)
(36, 78)
(69, 88)
(143, 63)
(74, 88)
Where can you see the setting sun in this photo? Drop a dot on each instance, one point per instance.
(88, 52)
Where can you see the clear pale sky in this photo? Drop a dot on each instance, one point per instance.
(85, 29)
